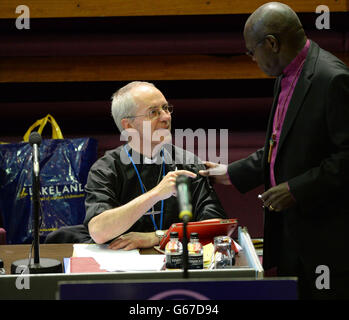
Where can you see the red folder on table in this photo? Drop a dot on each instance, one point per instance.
(207, 230)
(84, 265)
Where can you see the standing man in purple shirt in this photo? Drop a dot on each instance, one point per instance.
(304, 164)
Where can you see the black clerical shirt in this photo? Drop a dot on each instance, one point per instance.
(112, 183)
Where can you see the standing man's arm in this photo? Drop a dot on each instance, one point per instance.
(332, 175)
(245, 174)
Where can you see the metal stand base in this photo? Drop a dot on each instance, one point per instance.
(45, 266)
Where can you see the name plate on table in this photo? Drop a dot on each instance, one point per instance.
(276, 289)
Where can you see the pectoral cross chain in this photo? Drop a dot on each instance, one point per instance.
(272, 142)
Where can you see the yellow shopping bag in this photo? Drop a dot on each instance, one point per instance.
(41, 123)
(64, 167)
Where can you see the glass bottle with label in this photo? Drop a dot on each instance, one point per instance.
(174, 252)
(195, 252)
(222, 253)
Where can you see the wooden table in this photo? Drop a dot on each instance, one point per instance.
(46, 286)
(14, 252)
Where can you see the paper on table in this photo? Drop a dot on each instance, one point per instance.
(102, 254)
(119, 260)
(100, 251)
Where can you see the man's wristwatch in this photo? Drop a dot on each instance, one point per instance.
(160, 234)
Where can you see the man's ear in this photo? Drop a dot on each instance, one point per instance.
(126, 124)
(273, 43)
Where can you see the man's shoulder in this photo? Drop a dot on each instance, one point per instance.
(330, 66)
(110, 157)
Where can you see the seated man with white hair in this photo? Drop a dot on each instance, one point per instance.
(131, 191)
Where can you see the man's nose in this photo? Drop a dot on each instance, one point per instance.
(164, 115)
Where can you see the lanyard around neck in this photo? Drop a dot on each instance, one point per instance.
(142, 188)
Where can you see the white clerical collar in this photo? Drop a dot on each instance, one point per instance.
(147, 160)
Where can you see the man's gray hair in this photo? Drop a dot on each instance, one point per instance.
(123, 104)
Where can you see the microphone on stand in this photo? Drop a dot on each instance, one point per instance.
(35, 141)
(185, 214)
(184, 198)
(43, 265)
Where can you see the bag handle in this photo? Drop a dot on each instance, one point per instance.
(41, 123)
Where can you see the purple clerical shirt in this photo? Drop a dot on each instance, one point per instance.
(288, 83)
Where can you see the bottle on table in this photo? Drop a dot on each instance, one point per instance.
(223, 253)
(174, 252)
(195, 252)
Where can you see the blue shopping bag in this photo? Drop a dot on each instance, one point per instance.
(64, 167)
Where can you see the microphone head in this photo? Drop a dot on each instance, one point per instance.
(182, 179)
(35, 138)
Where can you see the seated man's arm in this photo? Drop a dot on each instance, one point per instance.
(107, 219)
(113, 222)
(135, 240)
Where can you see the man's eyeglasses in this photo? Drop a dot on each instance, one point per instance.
(154, 113)
(251, 52)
